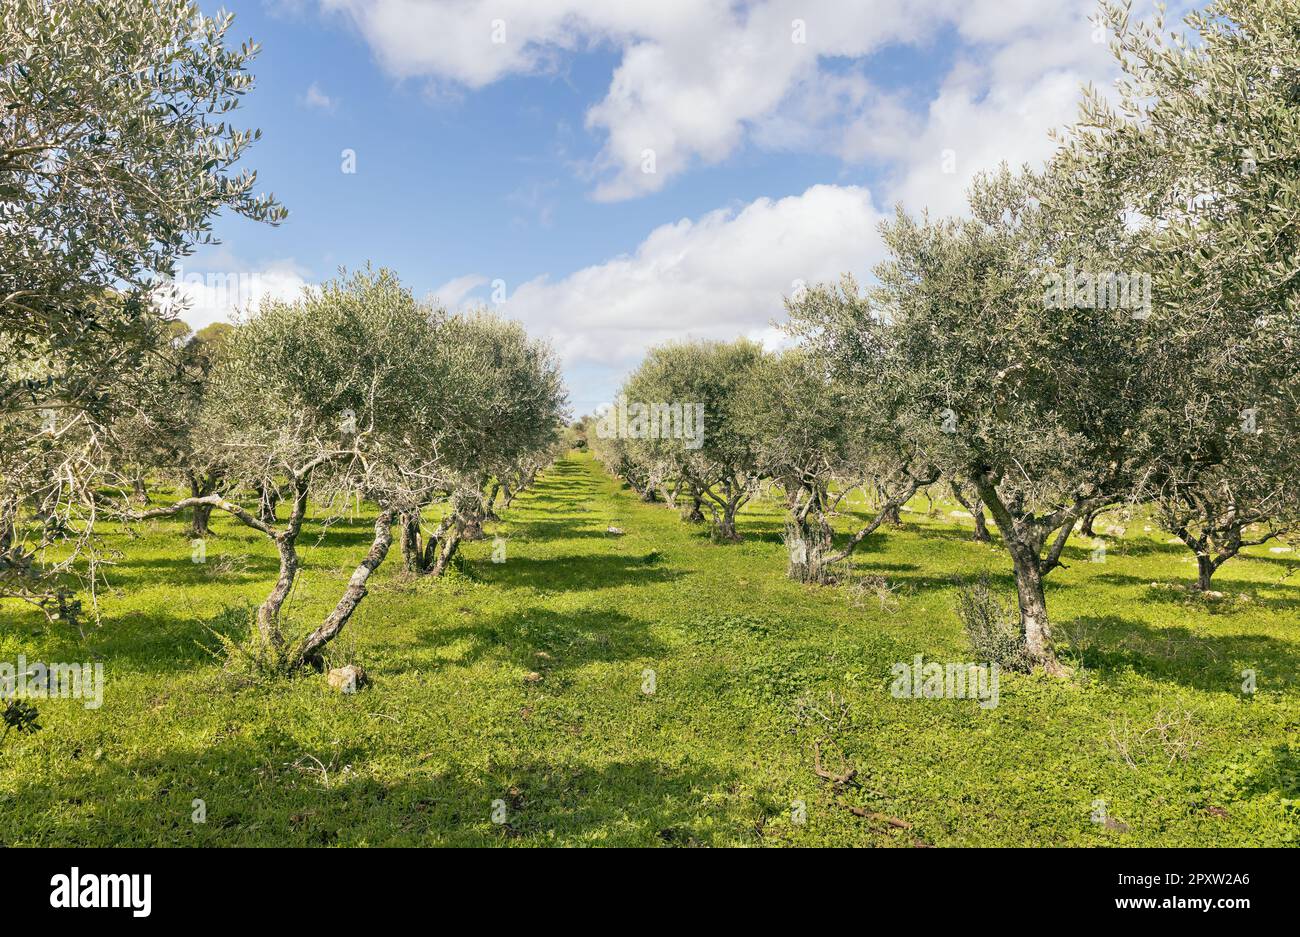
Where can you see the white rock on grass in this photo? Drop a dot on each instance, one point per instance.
(347, 679)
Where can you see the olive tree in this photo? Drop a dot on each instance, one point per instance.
(330, 392)
(617, 454)
(1247, 498)
(115, 152)
(686, 413)
(869, 423)
(1200, 152)
(522, 471)
(1044, 409)
(501, 406)
(812, 446)
(56, 455)
(160, 431)
(822, 438)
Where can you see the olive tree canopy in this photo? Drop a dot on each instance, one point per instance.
(115, 154)
(330, 393)
(1200, 154)
(1045, 409)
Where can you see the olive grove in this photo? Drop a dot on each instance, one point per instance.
(1118, 330)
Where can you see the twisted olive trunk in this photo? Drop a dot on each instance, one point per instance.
(1205, 567)
(809, 536)
(412, 555)
(285, 540)
(726, 506)
(451, 541)
(309, 652)
(286, 546)
(888, 510)
(201, 486)
(1085, 525)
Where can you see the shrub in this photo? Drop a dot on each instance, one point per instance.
(991, 626)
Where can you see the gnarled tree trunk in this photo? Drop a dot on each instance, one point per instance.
(200, 487)
(1086, 522)
(450, 543)
(309, 651)
(808, 537)
(286, 546)
(1025, 538)
(887, 510)
(1205, 567)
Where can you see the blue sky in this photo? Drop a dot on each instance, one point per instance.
(506, 141)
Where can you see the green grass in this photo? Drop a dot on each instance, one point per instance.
(522, 682)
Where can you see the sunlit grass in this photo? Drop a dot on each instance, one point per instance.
(523, 683)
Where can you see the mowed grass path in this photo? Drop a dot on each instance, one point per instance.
(523, 686)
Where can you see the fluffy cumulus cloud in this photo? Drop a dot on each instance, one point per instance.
(718, 276)
(699, 78)
(1017, 77)
(453, 293)
(223, 289)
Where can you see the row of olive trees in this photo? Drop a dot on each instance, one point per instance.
(357, 392)
(1173, 383)
(763, 418)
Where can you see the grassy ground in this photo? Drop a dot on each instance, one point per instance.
(523, 683)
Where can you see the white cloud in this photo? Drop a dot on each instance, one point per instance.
(223, 290)
(1020, 80)
(693, 75)
(318, 99)
(719, 276)
(452, 293)
(699, 78)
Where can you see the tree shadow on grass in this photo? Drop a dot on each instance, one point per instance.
(174, 643)
(160, 643)
(557, 530)
(1134, 548)
(259, 792)
(222, 570)
(545, 641)
(1279, 773)
(1110, 644)
(1179, 592)
(575, 572)
(1286, 562)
